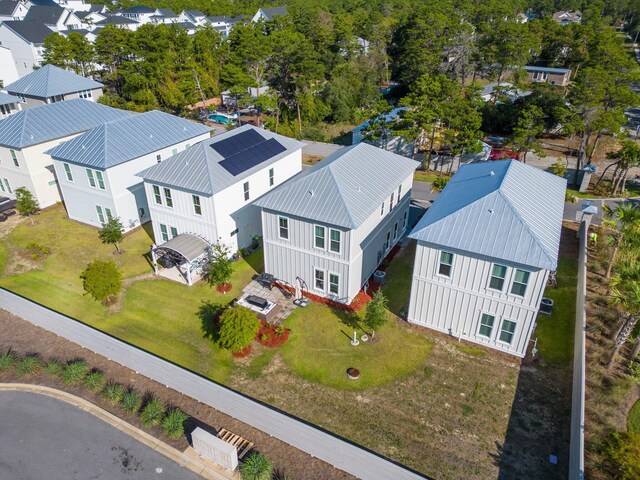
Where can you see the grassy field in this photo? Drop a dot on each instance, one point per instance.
(634, 418)
(555, 331)
(426, 176)
(398, 286)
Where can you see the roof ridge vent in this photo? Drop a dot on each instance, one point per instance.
(310, 192)
(492, 173)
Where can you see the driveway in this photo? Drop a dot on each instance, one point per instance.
(42, 437)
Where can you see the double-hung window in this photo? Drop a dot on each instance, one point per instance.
(7, 185)
(156, 195)
(197, 209)
(100, 180)
(395, 231)
(399, 192)
(334, 244)
(95, 179)
(283, 227)
(334, 283)
(507, 330)
(168, 201)
(446, 264)
(271, 177)
(520, 281)
(67, 172)
(245, 187)
(387, 243)
(486, 325)
(320, 237)
(319, 279)
(104, 214)
(90, 177)
(174, 232)
(498, 272)
(14, 158)
(164, 233)
(391, 201)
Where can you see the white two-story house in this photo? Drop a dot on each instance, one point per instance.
(327, 229)
(25, 136)
(208, 190)
(97, 170)
(484, 252)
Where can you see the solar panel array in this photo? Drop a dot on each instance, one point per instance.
(246, 150)
(250, 157)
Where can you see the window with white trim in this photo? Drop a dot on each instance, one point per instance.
(318, 279)
(14, 158)
(245, 187)
(320, 234)
(498, 274)
(156, 194)
(382, 209)
(164, 233)
(21, 96)
(395, 231)
(335, 240)
(520, 282)
(92, 180)
(391, 201)
(7, 185)
(387, 242)
(168, 201)
(174, 231)
(197, 209)
(67, 171)
(486, 325)
(283, 228)
(334, 283)
(104, 214)
(399, 192)
(404, 221)
(507, 331)
(271, 177)
(446, 264)
(100, 180)
(159, 158)
(85, 94)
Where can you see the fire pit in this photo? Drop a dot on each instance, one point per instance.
(353, 373)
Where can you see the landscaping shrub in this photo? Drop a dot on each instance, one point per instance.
(131, 401)
(439, 183)
(54, 367)
(623, 453)
(74, 372)
(238, 327)
(152, 413)
(256, 467)
(94, 381)
(113, 393)
(570, 197)
(28, 365)
(102, 279)
(26, 203)
(7, 359)
(559, 169)
(376, 314)
(219, 267)
(173, 423)
(112, 233)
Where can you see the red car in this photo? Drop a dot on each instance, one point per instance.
(501, 154)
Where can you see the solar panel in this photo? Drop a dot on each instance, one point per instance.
(232, 145)
(250, 157)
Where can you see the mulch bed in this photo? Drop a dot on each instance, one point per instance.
(268, 337)
(224, 288)
(245, 352)
(23, 337)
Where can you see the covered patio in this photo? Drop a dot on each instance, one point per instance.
(187, 252)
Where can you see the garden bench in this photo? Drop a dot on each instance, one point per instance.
(241, 444)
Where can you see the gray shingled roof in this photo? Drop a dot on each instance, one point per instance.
(198, 168)
(49, 81)
(33, 32)
(139, 9)
(55, 120)
(7, 7)
(6, 99)
(505, 210)
(344, 189)
(124, 139)
(116, 20)
(45, 14)
(269, 13)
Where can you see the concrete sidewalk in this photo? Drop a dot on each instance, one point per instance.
(188, 459)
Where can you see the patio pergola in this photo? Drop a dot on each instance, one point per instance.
(187, 251)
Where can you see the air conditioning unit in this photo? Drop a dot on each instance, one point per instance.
(380, 277)
(546, 305)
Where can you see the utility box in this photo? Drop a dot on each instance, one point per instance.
(212, 448)
(380, 277)
(546, 305)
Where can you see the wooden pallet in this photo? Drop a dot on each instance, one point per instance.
(242, 444)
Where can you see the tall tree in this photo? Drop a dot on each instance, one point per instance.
(528, 131)
(627, 296)
(112, 233)
(26, 203)
(623, 224)
(57, 51)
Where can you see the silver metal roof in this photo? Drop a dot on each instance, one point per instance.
(344, 189)
(189, 246)
(5, 99)
(49, 81)
(198, 168)
(55, 120)
(127, 138)
(505, 210)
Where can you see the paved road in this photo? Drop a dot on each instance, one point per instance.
(333, 450)
(44, 438)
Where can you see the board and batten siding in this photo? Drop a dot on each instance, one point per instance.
(455, 305)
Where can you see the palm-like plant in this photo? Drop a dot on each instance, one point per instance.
(623, 224)
(627, 296)
(256, 467)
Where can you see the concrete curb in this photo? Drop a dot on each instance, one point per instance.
(189, 458)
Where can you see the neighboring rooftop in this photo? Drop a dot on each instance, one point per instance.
(6, 99)
(127, 138)
(55, 120)
(344, 189)
(504, 210)
(167, 12)
(50, 81)
(47, 15)
(139, 9)
(201, 168)
(508, 89)
(388, 117)
(533, 68)
(7, 7)
(116, 20)
(269, 13)
(32, 32)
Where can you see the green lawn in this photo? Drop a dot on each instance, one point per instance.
(633, 422)
(555, 332)
(397, 289)
(633, 190)
(320, 351)
(426, 176)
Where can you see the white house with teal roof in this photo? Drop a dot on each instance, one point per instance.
(97, 170)
(484, 252)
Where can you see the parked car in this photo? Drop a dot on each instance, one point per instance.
(502, 154)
